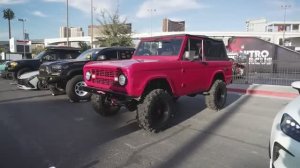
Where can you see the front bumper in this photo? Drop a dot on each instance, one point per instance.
(51, 79)
(285, 151)
(103, 92)
(27, 84)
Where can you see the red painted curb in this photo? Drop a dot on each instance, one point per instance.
(263, 93)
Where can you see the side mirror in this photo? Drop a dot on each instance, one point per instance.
(189, 55)
(296, 85)
(88, 57)
(102, 57)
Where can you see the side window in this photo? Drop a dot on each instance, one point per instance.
(125, 54)
(65, 55)
(193, 49)
(73, 55)
(51, 56)
(109, 55)
(214, 50)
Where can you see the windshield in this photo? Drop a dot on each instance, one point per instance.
(40, 55)
(87, 55)
(160, 47)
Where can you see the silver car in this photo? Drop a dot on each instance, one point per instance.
(285, 135)
(29, 81)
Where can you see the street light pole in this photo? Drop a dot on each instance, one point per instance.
(284, 18)
(92, 24)
(68, 23)
(23, 22)
(151, 11)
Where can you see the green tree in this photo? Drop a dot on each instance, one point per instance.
(116, 32)
(83, 46)
(9, 15)
(36, 50)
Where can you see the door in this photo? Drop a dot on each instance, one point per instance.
(193, 69)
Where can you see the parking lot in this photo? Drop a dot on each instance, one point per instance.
(40, 130)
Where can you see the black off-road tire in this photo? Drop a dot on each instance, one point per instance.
(155, 111)
(17, 74)
(22, 71)
(102, 108)
(72, 85)
(216, 98)
(55, 91)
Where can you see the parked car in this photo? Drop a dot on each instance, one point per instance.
(162, 69)
(3, 70)
(29, 80)
(66, 75)
(284, 148)
(238, 69)
(52, 53)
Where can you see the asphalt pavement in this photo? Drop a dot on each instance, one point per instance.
(41, 131)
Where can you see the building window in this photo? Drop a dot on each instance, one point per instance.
(296, 27)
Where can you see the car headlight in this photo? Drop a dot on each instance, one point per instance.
(88, 75)
(122, 80)
(290, 127)
(13, 64)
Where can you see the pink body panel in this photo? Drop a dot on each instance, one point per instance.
(184, 77)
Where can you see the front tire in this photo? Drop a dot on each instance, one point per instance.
(154, 113)
(17, 74)
(217, 96)
(74, 90)
(41, 86)
(103, 107)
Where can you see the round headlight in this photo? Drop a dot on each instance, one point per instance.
(122, 80)
(88, 75)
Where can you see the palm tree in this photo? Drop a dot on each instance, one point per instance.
(9, 15)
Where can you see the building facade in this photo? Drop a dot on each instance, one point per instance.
(97, 29)
(256, 25)
(72, 31)
(172, 26)
(262, 25)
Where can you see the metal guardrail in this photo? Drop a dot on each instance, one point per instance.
(275, 72)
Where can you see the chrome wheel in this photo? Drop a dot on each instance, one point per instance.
(78, 89)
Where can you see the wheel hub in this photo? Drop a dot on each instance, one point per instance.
(78, 89)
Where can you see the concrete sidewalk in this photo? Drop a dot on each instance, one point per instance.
(264, 90)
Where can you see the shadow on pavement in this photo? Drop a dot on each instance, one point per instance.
(189, 148)
(194, 106)
(56, 133)
(23, 98)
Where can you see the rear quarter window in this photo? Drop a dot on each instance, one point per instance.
(214, 50)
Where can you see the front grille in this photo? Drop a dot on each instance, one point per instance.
(104, 76)
(23, 82)
(44, 70)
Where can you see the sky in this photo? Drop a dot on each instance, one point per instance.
(44, 17)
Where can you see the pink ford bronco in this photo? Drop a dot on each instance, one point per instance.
(161, 70)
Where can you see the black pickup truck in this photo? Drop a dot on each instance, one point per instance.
(52, 53)
(66, 76)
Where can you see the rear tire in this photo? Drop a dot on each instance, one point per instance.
(154, 113)
(216, 98)
(103, 108)
(73, 91)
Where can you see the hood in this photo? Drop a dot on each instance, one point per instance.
(120, 63)
(26, 60)
(62, 62)
(29, 75)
